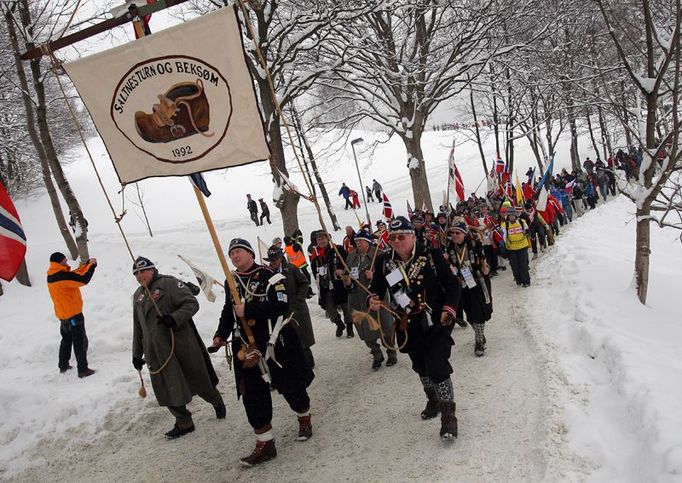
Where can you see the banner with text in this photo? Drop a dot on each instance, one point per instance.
(174, 103)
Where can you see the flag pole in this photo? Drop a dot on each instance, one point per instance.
(260, 254)
(228, 276)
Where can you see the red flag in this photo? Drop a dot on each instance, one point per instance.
(459, 185)
(499, 164)
(12, 238)
(388, 209)
(410, 211)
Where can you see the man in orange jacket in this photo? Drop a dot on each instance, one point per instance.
(64, 287)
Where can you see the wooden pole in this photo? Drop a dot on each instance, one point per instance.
(232, 285)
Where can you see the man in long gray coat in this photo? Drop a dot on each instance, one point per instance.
(177, 373)
(361, 263)
(297, 286)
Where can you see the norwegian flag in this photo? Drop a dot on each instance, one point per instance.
(388, 209)
(499, 164)
(455, 178)
(12, 238)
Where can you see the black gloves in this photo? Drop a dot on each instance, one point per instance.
(138, 362)
(168, 321)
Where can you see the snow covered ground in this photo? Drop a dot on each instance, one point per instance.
(580, 382)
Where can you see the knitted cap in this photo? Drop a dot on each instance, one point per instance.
(142, 263)
(401, 225)
(363, 235)
(241, 243)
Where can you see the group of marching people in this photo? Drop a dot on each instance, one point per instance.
(401, 287)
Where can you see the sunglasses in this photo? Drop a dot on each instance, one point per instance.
(399, 237)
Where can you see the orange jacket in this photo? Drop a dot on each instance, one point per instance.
(64, 286)
(296, 258)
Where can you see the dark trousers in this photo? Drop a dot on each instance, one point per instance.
(73, 334)
(378, 195)
(518, 259)
(430, 355)
(491, 257)
(266, 215)
(254, 217)
(348, 203)
(257, 400)
(183, 416)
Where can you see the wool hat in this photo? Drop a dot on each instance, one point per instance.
(241, 243)
(363, 235)
(401, 225)
(57, 257)
(142, 263)
(460, 226)
(274, 252)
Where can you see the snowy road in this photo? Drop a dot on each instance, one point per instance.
(366, 424)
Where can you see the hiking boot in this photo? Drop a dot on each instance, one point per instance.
(525, 285)
(86, 373)
(220, 411)
(176, 432)
(432, 408)
(339, 329)
(392, 359)
(461, 322)
(535, 255)
(350, 335)
(264, 451)
(182, 111)
(62, 370)
(305, 428)
(376, 363)
(448, 421)
(479, 349)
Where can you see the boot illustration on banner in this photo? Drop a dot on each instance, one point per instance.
(182, 111)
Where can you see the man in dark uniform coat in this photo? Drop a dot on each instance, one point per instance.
(278, 358)
(425, 293)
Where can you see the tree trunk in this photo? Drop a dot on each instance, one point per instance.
(420, 184)
(48, 145)
(35, 140)
(626, 115)
(496, 119)
(606, 139)
(288, 203)
(478, 132)
(311, 157)
(642, 253)
(589, 127)
(575, 157)
(22, 275)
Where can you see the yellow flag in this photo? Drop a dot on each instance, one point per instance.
(519, 192)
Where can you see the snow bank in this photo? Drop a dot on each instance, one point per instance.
(622, 361)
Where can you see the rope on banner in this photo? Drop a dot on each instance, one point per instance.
(57, 68)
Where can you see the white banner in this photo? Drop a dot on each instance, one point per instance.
(176, 102)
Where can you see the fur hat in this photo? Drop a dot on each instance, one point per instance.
(241, 243)
(274, 252)
(142, 263)
(401, 225)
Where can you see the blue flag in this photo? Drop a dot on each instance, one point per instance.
(198, 180)
(546, 175)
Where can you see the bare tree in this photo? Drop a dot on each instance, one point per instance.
(403, 60)
(650, 66)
